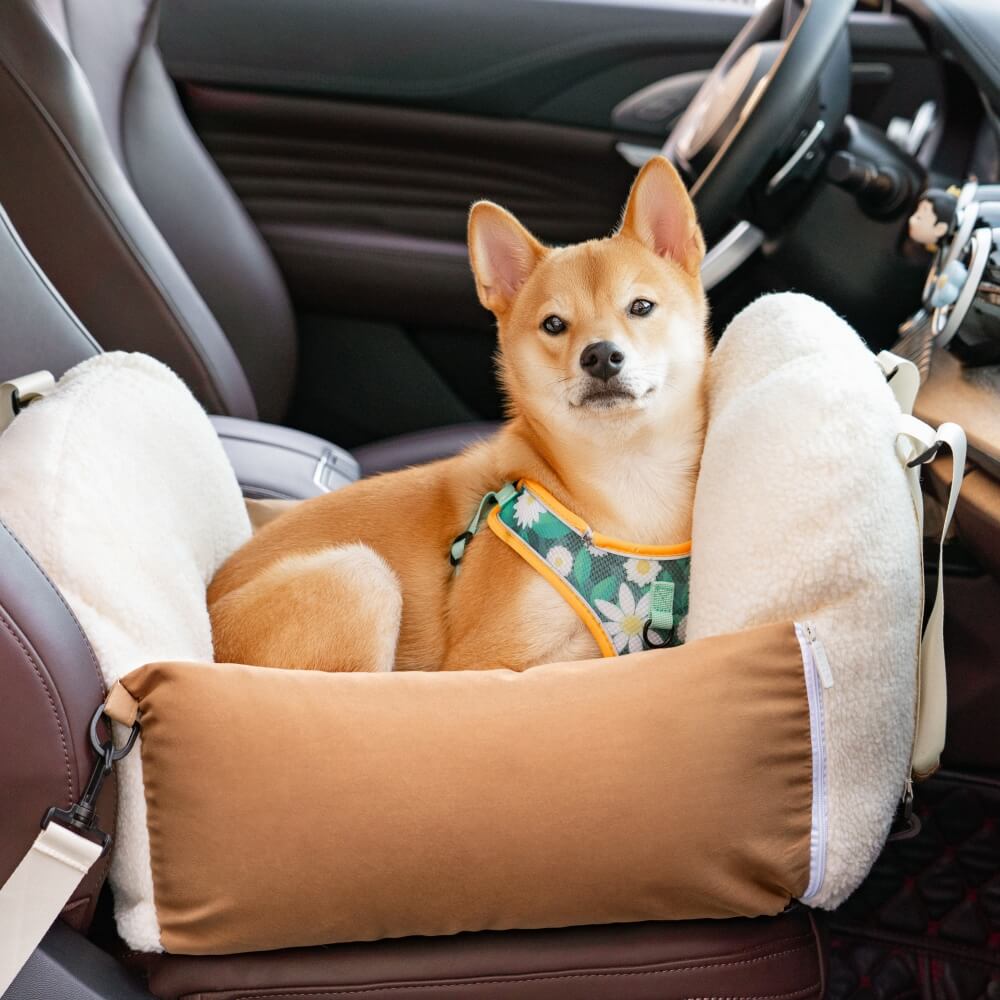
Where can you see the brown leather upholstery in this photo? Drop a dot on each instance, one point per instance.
(50, 685)
(774, 958)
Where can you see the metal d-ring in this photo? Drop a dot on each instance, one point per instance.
(108, 750)
(646, 641)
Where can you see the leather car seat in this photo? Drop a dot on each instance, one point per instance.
(39, 331)
(128, 215)
(51, 686)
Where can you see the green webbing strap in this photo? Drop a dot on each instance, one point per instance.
(496, 498)
(661, 605)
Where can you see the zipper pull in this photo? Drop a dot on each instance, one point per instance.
(819, 655)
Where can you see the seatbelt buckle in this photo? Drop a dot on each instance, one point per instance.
(81, 816)
(16, 394)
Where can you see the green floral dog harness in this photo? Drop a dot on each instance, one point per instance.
(630, 597)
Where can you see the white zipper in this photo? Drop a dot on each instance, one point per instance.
(818, 676)
(819, 655)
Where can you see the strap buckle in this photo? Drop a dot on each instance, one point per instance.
(495, 498)
(906, 824)
(82, 816)
(925, 456)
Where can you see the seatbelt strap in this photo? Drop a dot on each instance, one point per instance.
(932, 689)
(903, 378)
(47, 876)
(916, 444)
(37, 890)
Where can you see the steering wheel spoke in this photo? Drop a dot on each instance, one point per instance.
(741, 139)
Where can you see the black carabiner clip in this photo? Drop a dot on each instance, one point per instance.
(82, 814)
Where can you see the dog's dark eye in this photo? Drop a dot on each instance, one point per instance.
(641, 307)
(553, 325)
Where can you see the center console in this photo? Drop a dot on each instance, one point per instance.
(279, 463)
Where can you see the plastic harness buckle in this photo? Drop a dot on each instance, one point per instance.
(490, 500)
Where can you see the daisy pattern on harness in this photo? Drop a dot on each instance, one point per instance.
(608, 582)
(625, 619)
(642, 571)
(527, 510)
(560, 559)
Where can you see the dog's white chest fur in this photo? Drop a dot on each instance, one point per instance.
(549, 625)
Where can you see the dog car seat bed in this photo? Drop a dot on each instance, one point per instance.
(759, 763)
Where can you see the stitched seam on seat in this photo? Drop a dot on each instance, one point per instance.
(103, 866)
(802, 993)
(817, 947)
(188, 342)
(510, 980)
(29, 655)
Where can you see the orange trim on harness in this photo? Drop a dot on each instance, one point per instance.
(605, 542)
(530, 556)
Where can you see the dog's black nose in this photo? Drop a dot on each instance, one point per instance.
(602, 360)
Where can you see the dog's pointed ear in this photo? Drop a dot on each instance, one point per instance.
(503, 255)
(660, 214)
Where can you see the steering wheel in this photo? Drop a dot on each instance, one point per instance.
(754, 109)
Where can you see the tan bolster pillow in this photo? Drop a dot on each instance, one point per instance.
(291, 808)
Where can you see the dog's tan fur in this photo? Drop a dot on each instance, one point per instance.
(359, 579)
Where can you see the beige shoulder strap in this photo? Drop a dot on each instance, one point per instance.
(916, 444)
(36, 892)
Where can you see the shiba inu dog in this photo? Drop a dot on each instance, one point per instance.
(602, 356)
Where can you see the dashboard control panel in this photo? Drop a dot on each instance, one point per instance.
(960, 307)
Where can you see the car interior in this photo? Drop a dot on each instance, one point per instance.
(272, 198)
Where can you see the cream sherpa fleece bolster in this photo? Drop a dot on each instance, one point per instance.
(124, 495)
(803, 512)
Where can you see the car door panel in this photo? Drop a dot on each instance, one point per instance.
(365, 206)
(357, 134)
(466, 55)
